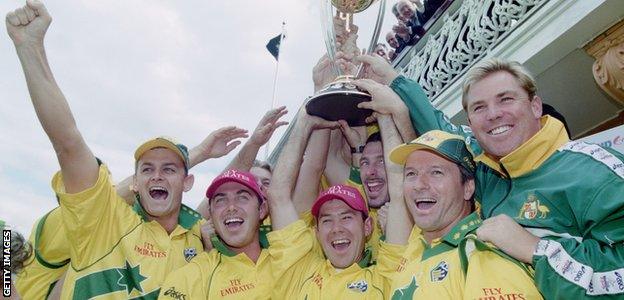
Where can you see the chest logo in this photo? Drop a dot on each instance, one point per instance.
(532, 207)
(189, 253)
(358, 286)
(439, 272)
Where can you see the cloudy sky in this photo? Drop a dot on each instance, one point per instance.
(132, 70)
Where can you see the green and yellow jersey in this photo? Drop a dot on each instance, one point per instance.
(222, 274)
(544, 186)
(458, 266)
(115, 251)
(314, 277)
(50, 258)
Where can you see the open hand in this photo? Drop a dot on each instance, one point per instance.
(267, 125)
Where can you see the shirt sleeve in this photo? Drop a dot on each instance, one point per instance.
(390, 260)
(94, 219)
(424, 116)
(591, 267)
(489, 275)
(288, 246)
(50, 240)
(189, 282)
(49, 260)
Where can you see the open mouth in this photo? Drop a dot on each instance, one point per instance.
(374, 185)
(233, 223)
(158, 192)
(425, 204)
(341, 244)
(500, 130)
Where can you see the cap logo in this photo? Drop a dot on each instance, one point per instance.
(340, 191)
(236, 174)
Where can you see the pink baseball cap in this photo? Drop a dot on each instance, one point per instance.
(349, 195)
(245, 178)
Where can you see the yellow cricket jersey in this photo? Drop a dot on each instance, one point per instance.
(314, 277)
(115, 252)
(49, 260)
(222, 274)
(457, 266)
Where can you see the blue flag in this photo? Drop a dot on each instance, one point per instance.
(274, 46)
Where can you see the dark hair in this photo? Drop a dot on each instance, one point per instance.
(375, 137)
(263, 165)
(21, 250)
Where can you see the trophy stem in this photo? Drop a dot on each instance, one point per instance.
(376, 31)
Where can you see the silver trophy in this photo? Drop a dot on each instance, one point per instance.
(339, 99)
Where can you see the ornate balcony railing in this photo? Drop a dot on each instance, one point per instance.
(465, 32)
(463, 35)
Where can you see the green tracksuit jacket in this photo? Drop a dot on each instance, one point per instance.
(568, 193)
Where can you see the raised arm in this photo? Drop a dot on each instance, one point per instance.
(379, 70)
(314, 161)
(399, 223)
(286, 171)
(261, 135)
(27, 27)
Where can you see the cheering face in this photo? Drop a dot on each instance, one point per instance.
(373, 175)
(342, 232)
(160, 180)
(263, 178)
(236, 214)
(434, 193)
(500, 113)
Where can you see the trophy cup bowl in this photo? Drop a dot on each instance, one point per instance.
(339, 99)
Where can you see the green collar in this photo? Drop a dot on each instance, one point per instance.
(187, 217)
(451, 240)
(220, 246)
(461, 229)
(532, 154)
(366, 258)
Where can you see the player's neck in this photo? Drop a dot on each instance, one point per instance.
(252, 250)
(168, 223)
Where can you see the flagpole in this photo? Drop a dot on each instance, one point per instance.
(274, 100)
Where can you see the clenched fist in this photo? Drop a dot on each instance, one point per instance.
(28, 24)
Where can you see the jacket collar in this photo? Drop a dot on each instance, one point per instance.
(530, 155)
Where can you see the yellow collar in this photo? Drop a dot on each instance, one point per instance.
(530, 155)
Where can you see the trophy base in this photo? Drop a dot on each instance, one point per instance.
(338, 101)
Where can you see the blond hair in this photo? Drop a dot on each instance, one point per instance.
(493, 65)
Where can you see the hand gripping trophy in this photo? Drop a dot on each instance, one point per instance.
(338, 100)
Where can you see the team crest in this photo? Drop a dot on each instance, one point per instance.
(189, 253)
(439, 272)
(359, 286)
(532, 207)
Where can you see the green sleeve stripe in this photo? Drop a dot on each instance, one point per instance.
(481, 246)
(40, 259)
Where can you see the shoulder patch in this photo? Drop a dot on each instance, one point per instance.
(597, 153)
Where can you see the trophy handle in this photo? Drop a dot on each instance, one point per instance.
(376, 31)
(327, 24)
